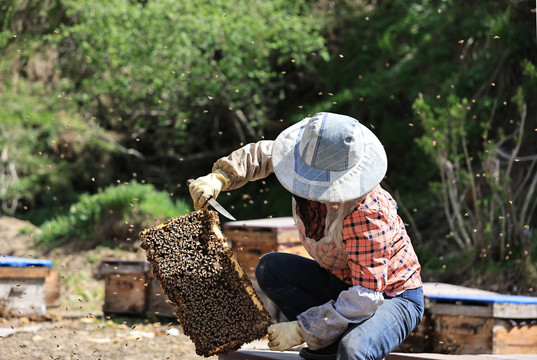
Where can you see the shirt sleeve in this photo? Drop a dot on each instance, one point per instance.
(323, 325)
(248, 163)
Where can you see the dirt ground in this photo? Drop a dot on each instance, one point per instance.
(76, 327)
(94, 338)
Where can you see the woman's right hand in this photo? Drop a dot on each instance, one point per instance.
(205, 187)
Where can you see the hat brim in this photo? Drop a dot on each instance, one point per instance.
(324, 185)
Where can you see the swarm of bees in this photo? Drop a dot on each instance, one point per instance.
(213, 297)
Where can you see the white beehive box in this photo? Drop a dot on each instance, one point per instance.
(22, 285)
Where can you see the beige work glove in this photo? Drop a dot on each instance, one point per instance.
(285, 335)
(207, 186)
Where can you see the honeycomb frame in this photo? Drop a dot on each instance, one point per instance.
(212, 295)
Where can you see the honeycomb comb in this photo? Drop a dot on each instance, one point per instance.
(212, 296)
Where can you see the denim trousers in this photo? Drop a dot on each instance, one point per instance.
(296, 283)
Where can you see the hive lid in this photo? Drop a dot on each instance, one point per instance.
(488, 299)
(113, 261)
(121, 266)
(454, 293)
(278, 223)
(16, 261)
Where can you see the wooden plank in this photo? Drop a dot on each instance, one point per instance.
(463, 334)
(52, 289)
(447, 299)
(260, 355)
(466, 334)
(272, 230)
(430, 356)
(268, 224)
(251, 239)
(241, 236)
(427, 356)
(248, 252)
(436, 288)
(496, 310)
(461, 310)
(514, 311)
(125, 294)
(293, 355)
(8, 272)
(509, 339)
(117, 266)
(157, 301)
(287, 238)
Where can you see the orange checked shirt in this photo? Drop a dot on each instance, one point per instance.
(376, 248)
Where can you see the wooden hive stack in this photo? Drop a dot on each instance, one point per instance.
(213, 296)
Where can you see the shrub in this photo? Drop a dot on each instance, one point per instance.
(118, 212)
(489, 195)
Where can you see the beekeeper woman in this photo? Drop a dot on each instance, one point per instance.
(362, 294)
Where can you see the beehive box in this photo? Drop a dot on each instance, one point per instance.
(485, 324)
(22, 285)
(213, 297)
(52, 289)
(460, 320)
(157, 301)
(131, 289)
(251, 239)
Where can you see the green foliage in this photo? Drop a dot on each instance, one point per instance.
(463, 73)
(49, 152)
(46, 150)
(488, 197)
(445, 141)
(158, 88)
(385, 56)
(182, 77)
(443, 127)
(113, 213)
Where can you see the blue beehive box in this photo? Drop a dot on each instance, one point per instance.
(22, 285)
(472, 321)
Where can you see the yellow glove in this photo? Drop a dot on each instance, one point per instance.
(207, 186)
(283, 336)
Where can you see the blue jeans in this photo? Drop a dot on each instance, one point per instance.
(295, 284)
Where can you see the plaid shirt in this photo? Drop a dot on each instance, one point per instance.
(379, 253)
